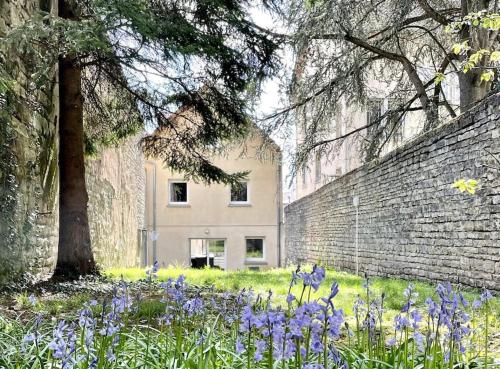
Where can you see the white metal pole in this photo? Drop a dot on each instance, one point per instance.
(357, 243)
(355, 202)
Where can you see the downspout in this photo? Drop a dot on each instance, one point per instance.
(153, 235)
(280, 207)
(155, 256)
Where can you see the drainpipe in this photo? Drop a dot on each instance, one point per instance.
(155, 255)
(153, 236)
(280, 207)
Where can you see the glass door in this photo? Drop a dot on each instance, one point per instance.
(208, 252)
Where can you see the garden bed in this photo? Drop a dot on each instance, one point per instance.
(161, 320)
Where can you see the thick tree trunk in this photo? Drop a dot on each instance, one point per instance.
(74, 256)
(471, 89)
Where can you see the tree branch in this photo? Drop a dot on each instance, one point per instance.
(432, 13)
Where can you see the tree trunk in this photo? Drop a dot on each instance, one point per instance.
(74, 256)
(471, 89)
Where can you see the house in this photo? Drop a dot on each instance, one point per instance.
(238, 227)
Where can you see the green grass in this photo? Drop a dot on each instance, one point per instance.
(278, 281)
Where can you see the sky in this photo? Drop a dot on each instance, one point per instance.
(273, 98)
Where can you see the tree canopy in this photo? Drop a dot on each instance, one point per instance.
(157, 56)
(410, 47)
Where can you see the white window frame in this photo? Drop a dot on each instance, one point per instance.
(241, 203)
(263, 258)
(171, 182)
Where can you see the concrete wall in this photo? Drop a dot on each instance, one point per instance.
(412, 224)
(209, 214)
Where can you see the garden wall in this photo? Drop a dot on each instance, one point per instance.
(29, 179)
(412, 224)
(28, 166)
(116, 187)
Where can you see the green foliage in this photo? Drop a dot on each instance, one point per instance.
(277, 280)
(176, 325)
(481, 52)
(144, 61)
(468, 185)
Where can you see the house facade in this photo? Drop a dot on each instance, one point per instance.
(226, 227)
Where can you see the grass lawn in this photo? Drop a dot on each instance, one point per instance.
(278, 281)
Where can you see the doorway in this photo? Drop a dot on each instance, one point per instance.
(207, 252)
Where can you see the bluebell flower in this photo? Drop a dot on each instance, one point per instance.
(432, 308)
(419, 340)
(486, 295)
(260, 347)
(416, 318)
(240, 348)
(401, 322)
(316, 344)
(391, 342)
(476, 304)
(110, 355)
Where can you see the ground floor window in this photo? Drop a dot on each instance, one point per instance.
(211, 252)
(255, 248)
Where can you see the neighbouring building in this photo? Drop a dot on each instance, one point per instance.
(238, 227)
(324, 166)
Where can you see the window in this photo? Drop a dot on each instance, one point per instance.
(304, 178)
(374, 110)
(396, 123)
(338, 128)
(239, 193)
(178, 193)
(254, 248)
(317, 167)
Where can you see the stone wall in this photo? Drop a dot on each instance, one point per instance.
(28, 166)
(412, 224)
(29, 178)
(116, 185)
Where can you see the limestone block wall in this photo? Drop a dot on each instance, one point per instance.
(28, 165)
(116, 185)
(412, 224)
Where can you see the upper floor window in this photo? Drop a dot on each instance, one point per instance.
(374, 111)
(396, 122)
(239, 193)
(317, 167)
(178, 192)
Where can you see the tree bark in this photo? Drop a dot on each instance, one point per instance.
(471, 89)
(75, 257)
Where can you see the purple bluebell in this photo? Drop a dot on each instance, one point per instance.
(260, 347)
(240, 348)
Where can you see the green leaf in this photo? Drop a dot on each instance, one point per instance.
(456, 48)
(487, 76)
(495, 56)
(463, 185)
(440, 77)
